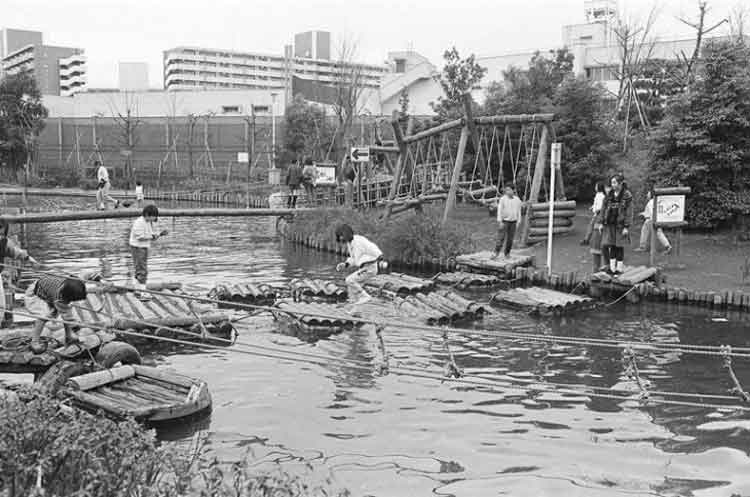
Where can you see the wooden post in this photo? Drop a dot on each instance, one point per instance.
(652, 253)
(450, 202)
(60, 139)
(469, 114)
(246, 145)
(536, 183)
(399, 161)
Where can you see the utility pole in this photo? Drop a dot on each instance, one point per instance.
(273, 130)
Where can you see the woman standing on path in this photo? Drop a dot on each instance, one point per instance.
(102, 192)
(614, 223)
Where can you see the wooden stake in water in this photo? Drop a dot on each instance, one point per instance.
(554, 164)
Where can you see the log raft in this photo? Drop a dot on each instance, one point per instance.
(543, 301)
(484, 262)
(629, 282)
(463, 280)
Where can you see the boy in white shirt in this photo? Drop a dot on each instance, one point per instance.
(508, 215)
(139, 194)
(141, 235)
(102, 192)
(364, 255)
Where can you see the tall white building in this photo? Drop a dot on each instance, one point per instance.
(190, 68)
(57, 70)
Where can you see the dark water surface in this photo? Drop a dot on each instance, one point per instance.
(395, 435)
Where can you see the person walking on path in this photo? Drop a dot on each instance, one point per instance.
(349, 175)
(293, 180)
(615, 219)
(647, 213)
(102, 192)
(309, 176)
(508, 216)
(142, 234)
(595, 208)
(363, 255)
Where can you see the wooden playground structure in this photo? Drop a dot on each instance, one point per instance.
(474, 158)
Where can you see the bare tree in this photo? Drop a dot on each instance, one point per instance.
(737, 21)
(192, 122)
(127, 118)
(349, 85)
(700, 32)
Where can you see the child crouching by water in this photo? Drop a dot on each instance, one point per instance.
(50, 297)
(363, 255)
(141, 235)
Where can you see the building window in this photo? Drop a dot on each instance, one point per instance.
(230, 109)
(261, 109)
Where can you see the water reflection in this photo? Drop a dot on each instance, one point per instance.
(398, 435)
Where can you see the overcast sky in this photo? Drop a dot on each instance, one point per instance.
(138, 30)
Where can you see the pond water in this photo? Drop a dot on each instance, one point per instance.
(397, 435)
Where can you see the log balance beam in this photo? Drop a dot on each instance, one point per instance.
(52, 217)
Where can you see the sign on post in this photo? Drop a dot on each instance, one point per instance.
(670, 209)
(326, 174)
(243, 157)
(360, 154)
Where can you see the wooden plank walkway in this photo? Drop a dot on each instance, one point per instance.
(537, 300)
(484, 262)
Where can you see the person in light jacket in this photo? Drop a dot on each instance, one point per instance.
(508, 216)
(364, 255)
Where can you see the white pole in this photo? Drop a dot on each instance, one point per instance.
(554, 164)
(273, 130)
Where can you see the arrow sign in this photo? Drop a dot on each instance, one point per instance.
(360, 154)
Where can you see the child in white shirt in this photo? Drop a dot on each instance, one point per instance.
(364, 255)
(596, 207)
(141, 235)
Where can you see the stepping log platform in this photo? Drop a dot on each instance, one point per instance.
(438, 307)
(463, 280)
(543, 301)
(247, 293)
(321, 289)
(632, 276)
(399, 284)
(317, 317)
(484, 262)
(123, 311)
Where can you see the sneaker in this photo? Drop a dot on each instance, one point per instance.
(667, 250)
(143, 296)
(363, 299)
(38, 346)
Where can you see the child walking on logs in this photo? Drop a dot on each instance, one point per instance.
(614, 223)
(508, 215)
(141, 235)
(363, 255)
(596, 207)
(50, 297)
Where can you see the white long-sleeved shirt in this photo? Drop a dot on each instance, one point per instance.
(362, 251)
(102, 174)
(139, 192)
(598, 202)
(648, 210)
(509, 209)
(141, 233)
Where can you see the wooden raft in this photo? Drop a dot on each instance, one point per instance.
(320, 289)
(313, 316)
(463, 280)
(123, 311)
(483, 262)
(145, 393)
(17, 357)
(438, 307)
(543, 301)
(632, 275)
(247, 293)
(399, 284)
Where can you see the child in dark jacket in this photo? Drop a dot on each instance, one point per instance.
(50, 297)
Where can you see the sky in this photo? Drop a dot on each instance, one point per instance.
(111, 31)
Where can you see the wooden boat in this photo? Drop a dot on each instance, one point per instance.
(145, 393)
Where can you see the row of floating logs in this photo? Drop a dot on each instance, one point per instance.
(544, 301)
(439, 307)
(420, 263)
(562, 219)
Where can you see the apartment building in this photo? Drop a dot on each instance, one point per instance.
(190, 68)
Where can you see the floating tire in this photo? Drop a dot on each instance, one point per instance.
(112, 353)
(58, 375)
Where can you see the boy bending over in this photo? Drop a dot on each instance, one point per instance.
(50, 297)
(363, 255)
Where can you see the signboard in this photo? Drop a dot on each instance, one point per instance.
(243, 157)
(670, 209)
(326, 174)
(360, 154)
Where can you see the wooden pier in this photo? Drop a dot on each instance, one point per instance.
(543, 301)
(484, 262)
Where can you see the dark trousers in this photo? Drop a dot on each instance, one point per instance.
(614, 252)
(291, 201)
(140, 263)
(505, 234)
(310, 192)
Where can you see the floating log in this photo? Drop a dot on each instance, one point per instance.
(538, 300)
(99, 378)
(317, 288)
(557, 222)
(399, 283)
(463, 280)
(563, 213)
(247, 293)
(559, 205)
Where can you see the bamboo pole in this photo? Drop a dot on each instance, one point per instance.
(399, 160)
(536, 182)
(515, 119)
(450, 202)
(434, 130)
